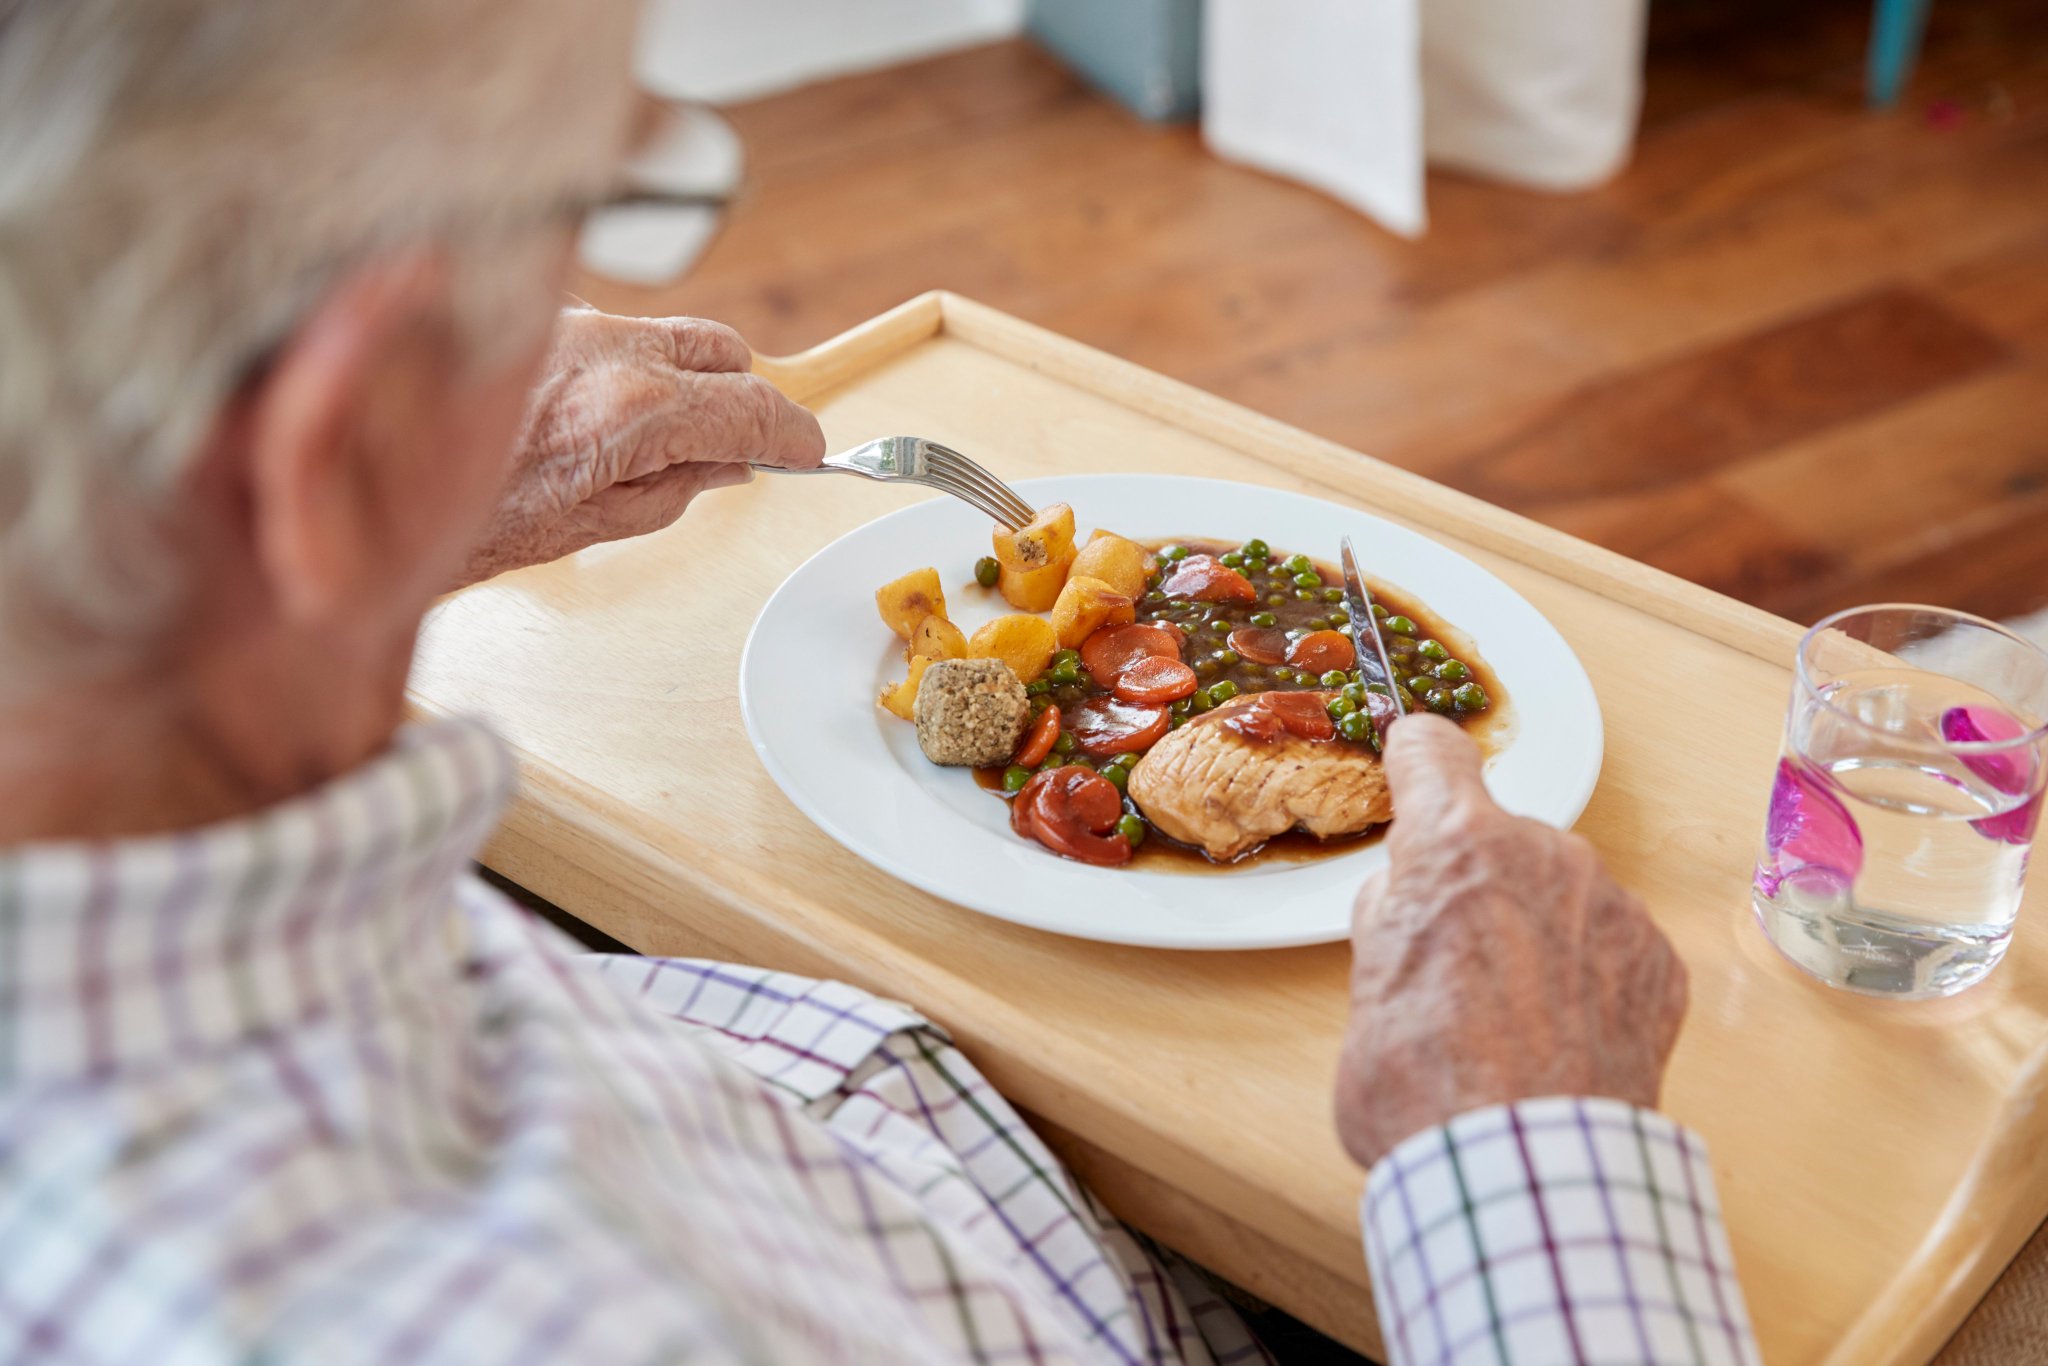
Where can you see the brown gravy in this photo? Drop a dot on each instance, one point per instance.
(1206, 627)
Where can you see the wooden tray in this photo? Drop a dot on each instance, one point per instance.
(1879, 1163)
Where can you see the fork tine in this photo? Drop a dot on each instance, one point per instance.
(944, 483)
(996, 488)
(972, 472)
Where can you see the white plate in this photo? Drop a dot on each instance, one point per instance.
(818, 655)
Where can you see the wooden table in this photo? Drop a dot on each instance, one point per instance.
(1879, 1163)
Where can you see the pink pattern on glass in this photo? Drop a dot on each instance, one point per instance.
(1811, 837)
(2010, 771)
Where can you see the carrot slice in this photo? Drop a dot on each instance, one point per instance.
(1108, 652)
(1103, 726)
(1073, 812)
(1267, 716)
(1039, 740)
(1260, 644)
(1319, 652)
(1155, 680)
(1204, 578)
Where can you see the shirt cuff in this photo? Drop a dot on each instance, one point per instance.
(1554, 1230)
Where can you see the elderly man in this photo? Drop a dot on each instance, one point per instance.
(279, 363)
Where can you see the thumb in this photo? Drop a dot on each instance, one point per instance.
(1433, 768)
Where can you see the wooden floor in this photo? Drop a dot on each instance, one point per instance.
(1798, 352)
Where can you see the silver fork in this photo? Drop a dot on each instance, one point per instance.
(914, 460)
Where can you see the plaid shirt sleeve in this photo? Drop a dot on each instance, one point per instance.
(1556, 1230)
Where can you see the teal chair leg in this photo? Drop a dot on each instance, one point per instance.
(1895, 30)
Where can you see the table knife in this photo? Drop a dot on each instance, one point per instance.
(1366, 639)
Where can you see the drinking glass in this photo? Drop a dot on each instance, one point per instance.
(1906, 799)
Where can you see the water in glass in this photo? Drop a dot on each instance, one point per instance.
(1904, 804)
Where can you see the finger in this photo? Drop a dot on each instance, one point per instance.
(706, 347)
(1365, 910)
(743, 419)
(1433, 769)
(654, 501)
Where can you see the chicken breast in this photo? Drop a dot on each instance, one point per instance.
(1213, 785)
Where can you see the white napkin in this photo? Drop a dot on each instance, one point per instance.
(1351, 96)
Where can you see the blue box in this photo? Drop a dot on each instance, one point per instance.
(1146, 54)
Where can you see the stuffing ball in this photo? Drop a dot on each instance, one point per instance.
(970, 712)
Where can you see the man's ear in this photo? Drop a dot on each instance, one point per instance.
(361, 386)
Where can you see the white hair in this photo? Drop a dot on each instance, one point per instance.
(180, 180)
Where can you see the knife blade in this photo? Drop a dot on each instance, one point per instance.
(1366, 639)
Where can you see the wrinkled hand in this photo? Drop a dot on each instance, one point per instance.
(632, 418)
(1493, 961)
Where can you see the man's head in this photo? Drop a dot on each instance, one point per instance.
(273, 278)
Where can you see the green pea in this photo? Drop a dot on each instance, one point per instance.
(1226, 657)
(1232, 558)
(1118, 776)
(1066, 656)
(1066, 671)
(1206, 668)
(1283, 675)
(1174, 554)
(1038, 687)
(1176, 722)
(1354, 693)
(1275, 599)
(1064, 745)
(1341, 707)
(1183, 707)
(1254, 566)
(1299, 564)
(1251, 670)
(1222, 692)
(1470, 697)
(987, 571)
(1308, 580)
(1264, 619)
(1379, 613)
(1200, 701)
(1400, 626)
(1014, 778)
(1335, 678)
(1452, 671)
(1155, 597)
(1356, 726)
(1256, 549)
(1318, 623)
(1305, 594)
(1382, 689)
(1333, 595)
(1187, 627)
(1432, 649)
(1340, 617)
(1132, 829)
(1127, 760)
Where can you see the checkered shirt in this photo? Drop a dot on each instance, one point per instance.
(1553, 1231)
(300, 1089)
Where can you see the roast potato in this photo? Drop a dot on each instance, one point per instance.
(900, 699)
(1047, 541)
(1025, 643)
(909, 600)
(936, 638)
(1085, 606)
(1033, 590)
(1123, 565)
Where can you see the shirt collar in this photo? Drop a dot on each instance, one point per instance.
(119, 955)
